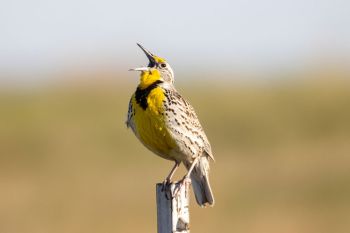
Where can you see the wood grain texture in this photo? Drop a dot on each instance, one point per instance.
(173, 208)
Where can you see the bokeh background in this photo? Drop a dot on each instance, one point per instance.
(270, 81)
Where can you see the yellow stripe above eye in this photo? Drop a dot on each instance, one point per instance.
(159, 59)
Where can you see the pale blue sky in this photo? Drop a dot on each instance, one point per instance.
(44, 35)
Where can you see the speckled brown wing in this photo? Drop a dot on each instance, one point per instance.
(183, 122)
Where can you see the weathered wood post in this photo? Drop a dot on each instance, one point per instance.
(173, 214)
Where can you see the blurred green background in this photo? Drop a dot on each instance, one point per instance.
(68, 163)
(269, 81)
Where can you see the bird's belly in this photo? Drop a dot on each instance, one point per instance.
(151, 131)
(150, 128)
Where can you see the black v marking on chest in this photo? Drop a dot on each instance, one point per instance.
(142, 94)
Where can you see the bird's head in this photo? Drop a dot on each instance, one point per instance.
(157, 70)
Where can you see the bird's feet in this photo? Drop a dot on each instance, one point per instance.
(166, 188)
(165, 184)
(180, 185)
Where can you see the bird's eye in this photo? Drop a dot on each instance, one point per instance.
(163, 65)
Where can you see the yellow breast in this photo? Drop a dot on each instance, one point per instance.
(149, 122)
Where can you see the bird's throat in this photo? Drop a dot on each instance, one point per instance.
(148, 78)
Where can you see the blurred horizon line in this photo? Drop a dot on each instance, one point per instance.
(118, 73)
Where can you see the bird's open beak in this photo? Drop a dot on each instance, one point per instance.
(150, 56)
(140, 69)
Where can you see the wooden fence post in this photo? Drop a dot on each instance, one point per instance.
(173, 214)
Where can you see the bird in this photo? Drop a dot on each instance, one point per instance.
(167, 125)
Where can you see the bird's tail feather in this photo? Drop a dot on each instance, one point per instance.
(200, 183)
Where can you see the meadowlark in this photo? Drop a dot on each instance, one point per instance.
(167, 125)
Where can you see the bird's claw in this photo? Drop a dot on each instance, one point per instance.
(165, 184)
(182, 183)
(166, 188)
